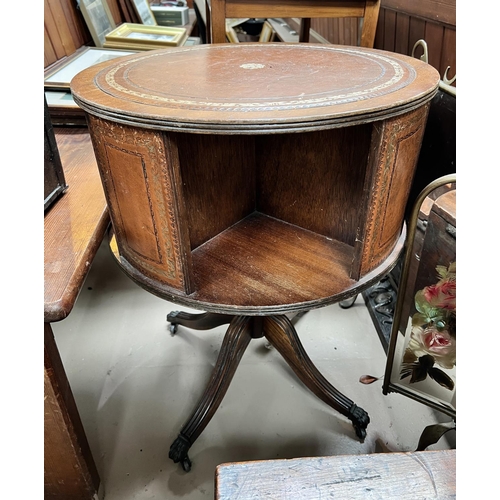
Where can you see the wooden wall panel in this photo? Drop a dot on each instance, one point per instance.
(66, 30)
(401, 23)
(337, 31)
(398, 32)
(438, 11)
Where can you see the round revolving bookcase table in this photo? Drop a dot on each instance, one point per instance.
(254, 180)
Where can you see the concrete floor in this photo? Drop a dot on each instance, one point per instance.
(135, 385)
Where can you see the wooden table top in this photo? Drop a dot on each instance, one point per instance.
(401, 476)
(253, 87)
(74, 226)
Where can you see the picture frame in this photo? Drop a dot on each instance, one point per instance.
(59, 76)
(421, 359)
(98, 18)
(267, 34)
(142, 37)
(192, 40)
(63, 110)
(231, 35)
(144, 12)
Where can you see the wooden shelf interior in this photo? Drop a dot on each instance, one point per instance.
(274, 216)
(262, 261)
(313, 180)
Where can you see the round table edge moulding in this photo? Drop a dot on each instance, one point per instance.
(123, 90)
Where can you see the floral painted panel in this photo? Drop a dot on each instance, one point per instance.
(431, 351)
(424, 359)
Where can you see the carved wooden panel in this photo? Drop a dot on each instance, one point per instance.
(137, 168)
(397, 142)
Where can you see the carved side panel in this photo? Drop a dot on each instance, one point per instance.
(138, 177)
(391, 166)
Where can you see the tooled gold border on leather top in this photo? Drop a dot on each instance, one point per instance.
(396, 82)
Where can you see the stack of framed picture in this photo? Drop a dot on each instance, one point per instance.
(110, 41)
(62, 108)
(142, 35)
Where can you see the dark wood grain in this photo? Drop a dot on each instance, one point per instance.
(69, 468)
(416, 33)
(434, 36)
(432, 20)
(442, 11)
(223, 191)
(301, 179)
(390, 32)
(403, 32)
(405, 476)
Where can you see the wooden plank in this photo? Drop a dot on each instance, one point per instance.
(370, 19)
(417, 32)
(292, 8)
(62, 26)
(405, 476)
(54, 36)
(402, 33)
(390, 31)
(380, 33)
(442, 11)
(74, 227)
(69, 468)
(434, 34)
(115, 11)
(50, 56)
(125, 12)
(74, 23)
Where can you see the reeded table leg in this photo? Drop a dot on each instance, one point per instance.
(233, 346)
(281, 333)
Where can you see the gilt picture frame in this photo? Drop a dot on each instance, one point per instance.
(141, 37)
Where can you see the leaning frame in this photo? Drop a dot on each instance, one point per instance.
(389, 386)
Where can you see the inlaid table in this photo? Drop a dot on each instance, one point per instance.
(251, 181)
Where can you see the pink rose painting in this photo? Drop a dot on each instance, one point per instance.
(432, 344)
